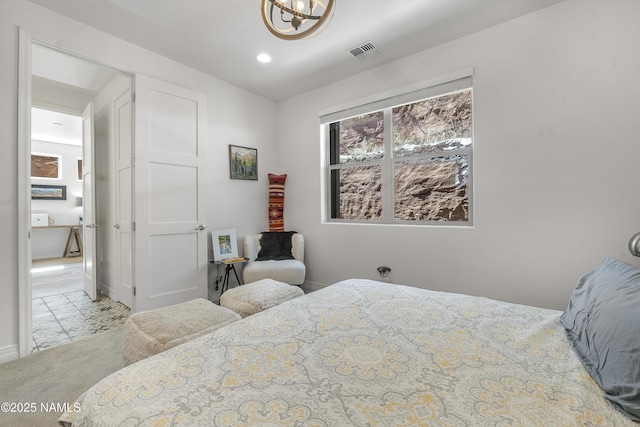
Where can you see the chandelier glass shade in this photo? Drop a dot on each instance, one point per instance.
(296, 19)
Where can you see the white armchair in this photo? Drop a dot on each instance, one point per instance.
(291, 271)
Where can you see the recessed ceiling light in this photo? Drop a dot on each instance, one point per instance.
(264, 58)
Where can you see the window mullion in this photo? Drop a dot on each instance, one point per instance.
(333, 178)
(387, 170)
(355, 164)
(465, 151)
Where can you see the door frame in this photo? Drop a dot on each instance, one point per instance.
(89, 226)
(26, 38)
(123, 272)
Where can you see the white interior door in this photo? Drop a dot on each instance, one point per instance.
(88, 204)
(123, 200)
(170, 237)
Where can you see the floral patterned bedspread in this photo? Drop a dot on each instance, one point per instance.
(363, 353)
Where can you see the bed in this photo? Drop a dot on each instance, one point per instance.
(363, 353)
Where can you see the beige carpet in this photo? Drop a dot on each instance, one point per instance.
(57, 376)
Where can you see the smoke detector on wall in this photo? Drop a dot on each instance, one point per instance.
(365, 51)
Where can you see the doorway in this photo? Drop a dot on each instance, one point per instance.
(63, 82)
(57, 198)
(167, 227)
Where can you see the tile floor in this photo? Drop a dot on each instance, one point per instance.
(70, 316)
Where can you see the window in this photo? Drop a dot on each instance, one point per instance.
(406, 159)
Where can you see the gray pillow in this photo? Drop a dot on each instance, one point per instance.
(603, 326)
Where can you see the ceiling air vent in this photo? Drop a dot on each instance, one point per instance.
(365, 51)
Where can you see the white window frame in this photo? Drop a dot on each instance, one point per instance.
(454, 82)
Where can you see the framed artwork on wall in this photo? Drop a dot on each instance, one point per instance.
(48, 192)
(224, 244)
(243, 162)
(45, 166)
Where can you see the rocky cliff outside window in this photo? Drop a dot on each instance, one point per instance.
(404, 162)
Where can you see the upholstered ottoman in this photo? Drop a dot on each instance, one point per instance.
(150, 332)
(258, 296)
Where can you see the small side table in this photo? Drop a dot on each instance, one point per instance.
(230, 265)
(74, 236)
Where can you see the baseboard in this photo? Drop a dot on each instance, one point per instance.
(9, 353)
(105, 289)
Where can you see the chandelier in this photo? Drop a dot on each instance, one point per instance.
(296, 19)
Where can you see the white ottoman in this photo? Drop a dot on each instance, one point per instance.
(287, 271)
(151, 332)
(258, 296)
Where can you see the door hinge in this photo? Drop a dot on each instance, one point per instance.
(134, 291)
(133, 226)
(133, 97)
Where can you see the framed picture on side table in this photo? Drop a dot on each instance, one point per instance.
(224, 244)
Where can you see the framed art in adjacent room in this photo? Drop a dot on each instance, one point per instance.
(48, 192)
(243, 162)
(224, 244)
(45, 166)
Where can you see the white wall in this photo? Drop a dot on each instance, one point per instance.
(50, 243)
(234, 117)
(556, 160)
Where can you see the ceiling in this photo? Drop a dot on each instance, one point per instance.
(69, 70)
(64, 82)
(223, 38)
(54, 126)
